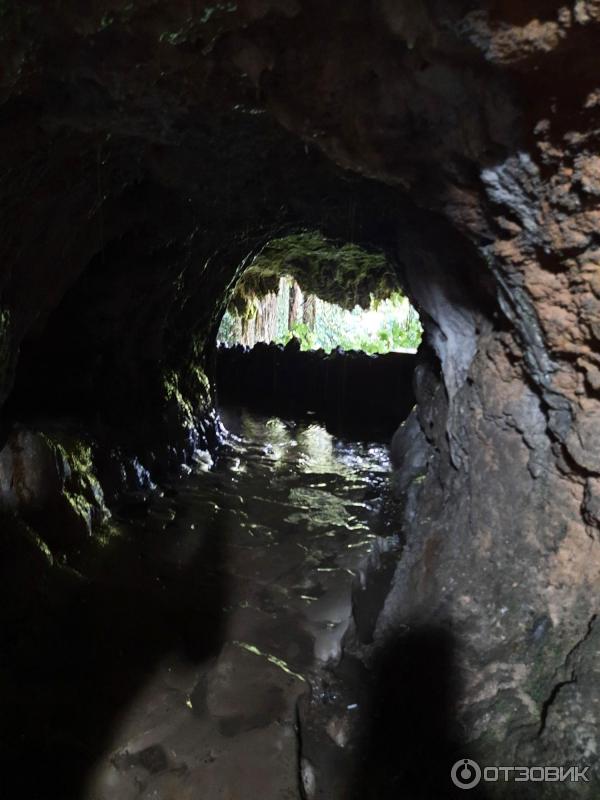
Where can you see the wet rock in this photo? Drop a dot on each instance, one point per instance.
(369, 594)
(51, 485)
(349, 391)
(153, 759)
(138, 477)
(242, 695)
(339, 730)
(309, 779)
(112, 474)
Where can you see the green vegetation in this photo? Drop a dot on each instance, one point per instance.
(388, 325)
(173, 394)
(343, 274)
(191, 29)
(81, 487)
(325, 294)
(396, 327)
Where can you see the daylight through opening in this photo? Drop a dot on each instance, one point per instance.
(386, 326)
(325, 295)
(318, 328)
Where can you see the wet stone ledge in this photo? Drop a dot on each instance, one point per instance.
(351, 392)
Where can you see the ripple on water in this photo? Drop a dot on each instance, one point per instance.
(289, 514)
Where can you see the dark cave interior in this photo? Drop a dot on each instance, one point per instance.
(278, 573)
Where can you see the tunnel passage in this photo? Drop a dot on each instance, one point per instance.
(118, 481)
(149, 152)
(261, 523)
(317, 305)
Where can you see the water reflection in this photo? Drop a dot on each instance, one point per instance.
(309, 448)
(212, 611)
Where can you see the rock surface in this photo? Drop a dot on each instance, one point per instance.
(49, 481)
(350, 392)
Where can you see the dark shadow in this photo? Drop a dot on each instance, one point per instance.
(353, 394)
(410, 739)
(77, 650)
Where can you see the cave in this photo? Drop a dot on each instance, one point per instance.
(274, 573)
(315, 328)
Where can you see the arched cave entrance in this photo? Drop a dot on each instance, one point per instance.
(316, 296)
(125, 485)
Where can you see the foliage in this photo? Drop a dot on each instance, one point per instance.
(253, 285)
(300, 331)
(397, 327)
(381, 322)
(230, 329)
(344, 274)
(392, 335)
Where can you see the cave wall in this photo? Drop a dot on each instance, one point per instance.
(149, 149)
(353, 393)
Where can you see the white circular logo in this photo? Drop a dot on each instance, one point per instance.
(465, 773)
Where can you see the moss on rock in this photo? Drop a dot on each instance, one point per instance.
(173, 395)
(81, 489)
(344, 274)
(49, 479)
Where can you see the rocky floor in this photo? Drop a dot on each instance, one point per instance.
(213, 669)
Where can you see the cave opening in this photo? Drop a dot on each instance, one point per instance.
(326, 294)
(285, 313)
(320, 328)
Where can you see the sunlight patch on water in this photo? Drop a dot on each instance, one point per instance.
(278, 662)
